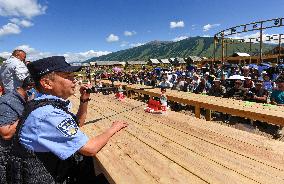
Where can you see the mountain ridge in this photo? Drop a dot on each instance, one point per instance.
(193, 46)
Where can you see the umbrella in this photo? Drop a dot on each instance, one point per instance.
(262, 67)
(237, 77)
(253, 66)
(116, 69)
(265, 64)
(280, 66)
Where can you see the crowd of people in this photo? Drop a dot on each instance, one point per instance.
(248, 83)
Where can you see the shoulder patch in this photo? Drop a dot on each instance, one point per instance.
(68, 127)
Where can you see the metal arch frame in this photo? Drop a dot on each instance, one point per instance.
(254, 26)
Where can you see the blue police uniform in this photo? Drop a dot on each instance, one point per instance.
(49, 129)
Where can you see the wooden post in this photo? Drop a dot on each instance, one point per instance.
(208, 115)
(197, 111)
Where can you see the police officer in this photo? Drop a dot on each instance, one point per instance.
(48, 139)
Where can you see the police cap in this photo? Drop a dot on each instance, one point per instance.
(47, 65)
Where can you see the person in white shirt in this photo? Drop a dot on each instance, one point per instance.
(13, 71)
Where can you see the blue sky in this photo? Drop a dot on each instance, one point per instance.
(83, 29)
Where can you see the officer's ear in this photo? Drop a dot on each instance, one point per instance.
(47, 81)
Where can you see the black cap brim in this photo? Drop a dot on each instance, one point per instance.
(69, 69)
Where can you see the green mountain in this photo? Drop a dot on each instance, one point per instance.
(194, 46)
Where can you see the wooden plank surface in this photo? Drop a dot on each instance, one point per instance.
(175, 148)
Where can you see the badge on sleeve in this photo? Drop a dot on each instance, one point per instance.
(68, 127)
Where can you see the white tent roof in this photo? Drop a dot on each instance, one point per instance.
(165, 61)
(241, 54)
(155, 61)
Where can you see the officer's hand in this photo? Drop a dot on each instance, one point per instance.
(83, 92)
(118, 125)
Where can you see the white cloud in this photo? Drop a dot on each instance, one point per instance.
(21, 8)
(112, 38)
(9, 28)
(83, 56)
(33, 54)
(206, 36)
(124, 44)
(129, 33)
(176, 24)
(209, 26)
(180, 38)
(136, 44)
(5, 55)
(23, 23)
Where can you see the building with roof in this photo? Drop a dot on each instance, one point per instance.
(194, 60)
(110, 63)
(137, 63)
(154, 61)
(241, 54)
(165, 61)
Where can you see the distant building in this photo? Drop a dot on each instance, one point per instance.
(110, 63)
(136, 63)
(276, 50)
(165, 62)
(179, 62)
(154, 61)
(194, 60)
(241, 54)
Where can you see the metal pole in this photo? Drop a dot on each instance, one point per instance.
(260, 44)
(223, 47)
(279, 48)
(250, 53)
(226, 47)
(214, 49)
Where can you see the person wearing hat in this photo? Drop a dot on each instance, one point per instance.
(11, 108)
(236, 92)
(257, 93)
(48, 144)
(248, 83)
(217, 89)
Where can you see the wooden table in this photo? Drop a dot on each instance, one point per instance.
(175, 148)
(256, 111)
